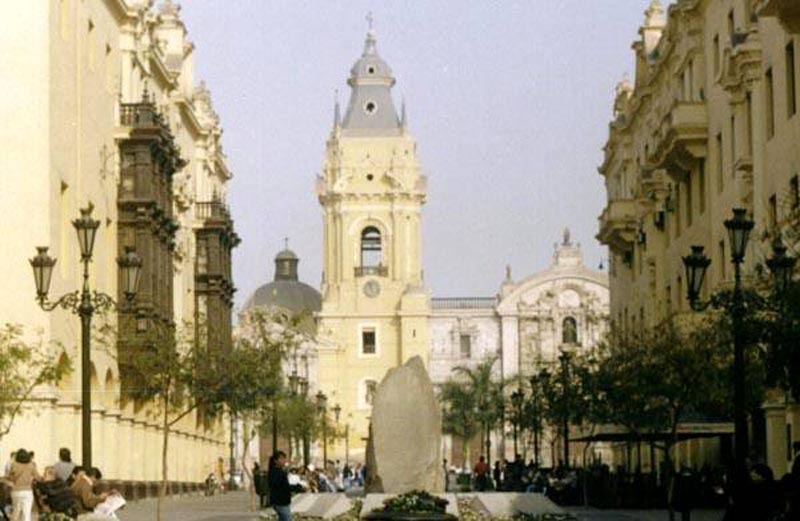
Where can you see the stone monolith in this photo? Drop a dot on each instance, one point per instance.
(404, 448)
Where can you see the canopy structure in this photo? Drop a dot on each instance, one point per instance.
(686, 431)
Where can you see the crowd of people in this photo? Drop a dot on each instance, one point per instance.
(61, 490)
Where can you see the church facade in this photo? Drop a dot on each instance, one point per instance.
(376, 312)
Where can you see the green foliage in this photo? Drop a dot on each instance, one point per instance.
(473, 400)
(416, 501)
(652, 381)
(23, 367)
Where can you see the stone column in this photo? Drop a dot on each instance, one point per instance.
(776, 438)
(509, 344)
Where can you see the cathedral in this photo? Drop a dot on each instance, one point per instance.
(376, 312)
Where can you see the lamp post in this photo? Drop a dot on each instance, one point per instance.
(516, 402)
(564, 358)
(322, 407)
(84, 303)
(337, 411)
(539, 383)
(696, 264)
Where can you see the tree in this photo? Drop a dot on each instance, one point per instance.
(474, 396)
(169, 370)
(255, 380)
(653, 381)
(24, 367)
(458, 420)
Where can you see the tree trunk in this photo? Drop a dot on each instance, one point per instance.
(670, 468)
(162, 491)
(248, 474)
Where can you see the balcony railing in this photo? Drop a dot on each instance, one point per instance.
(464, 303)
(140, 115)
(378, 271)
(618, 225)
(682, 137)
(212, 210)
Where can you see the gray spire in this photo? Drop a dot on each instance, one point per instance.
(371, 111)
(337, 118)
(403, 120)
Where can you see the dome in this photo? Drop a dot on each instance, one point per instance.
(286, 291)
(370, 67)
(294, 296)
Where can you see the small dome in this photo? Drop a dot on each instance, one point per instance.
(294, 296)
(286, 254)
(371, 67)
(286, 291)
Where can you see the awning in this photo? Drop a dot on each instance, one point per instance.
(686, 431)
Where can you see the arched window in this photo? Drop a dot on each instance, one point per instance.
(569, 331)
(370, 386)
(371, 256)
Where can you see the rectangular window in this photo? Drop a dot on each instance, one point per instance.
(723, 262)
(731, 25)
(770, 101)
(701, 181)
(773, 212)
(716, 51)
(794, 192)
(466, 346)
(749, 122)
(791, 87)
(720, 169)
(689, 203)
(733, 144)
(368, 341)
(678, 209)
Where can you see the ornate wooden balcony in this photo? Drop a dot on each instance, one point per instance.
(787, 12)
(682, 137)
(619, 225)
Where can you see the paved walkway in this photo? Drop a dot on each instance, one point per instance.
(233, 506)
(591, 514)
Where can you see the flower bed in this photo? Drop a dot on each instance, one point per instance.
(416, 505)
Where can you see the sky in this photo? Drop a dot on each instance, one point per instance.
(509, 103)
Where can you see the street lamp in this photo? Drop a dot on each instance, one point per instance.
(516, 402)
(781, 266)
(84, 303)
(322, 405)
(696, 264)
(539, 383)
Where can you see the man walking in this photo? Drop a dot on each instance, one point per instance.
(280, 495)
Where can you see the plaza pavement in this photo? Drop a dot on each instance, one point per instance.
(234, 506)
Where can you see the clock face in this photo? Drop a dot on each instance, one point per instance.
(372, 289)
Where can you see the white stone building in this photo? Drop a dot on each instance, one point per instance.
(526, 325)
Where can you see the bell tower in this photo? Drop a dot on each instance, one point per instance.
(375, 307)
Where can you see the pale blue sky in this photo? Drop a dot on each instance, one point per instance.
(509, 103)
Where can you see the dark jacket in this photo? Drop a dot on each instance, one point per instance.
(279, 492)
(58, 497)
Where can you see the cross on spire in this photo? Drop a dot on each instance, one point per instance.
(286, 243)
(369, 20)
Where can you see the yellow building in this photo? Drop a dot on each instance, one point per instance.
(94, 89)
(375, 307)
(708, 124)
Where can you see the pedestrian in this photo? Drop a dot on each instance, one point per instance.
(481, 472)
(55, 496)
(446, 475)
(83, 488)
(280, 495)
(22, 474)
(497, 474)
(63, 468)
